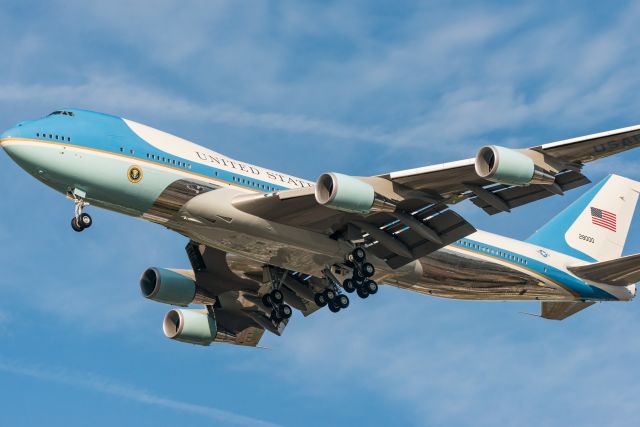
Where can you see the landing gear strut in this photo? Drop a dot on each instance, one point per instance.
(275, 299)
(359, 282)
(80, 220)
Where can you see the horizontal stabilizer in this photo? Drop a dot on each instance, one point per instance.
(616, 272)
(562, 310)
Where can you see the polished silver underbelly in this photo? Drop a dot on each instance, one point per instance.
(445, 273)
(449, 273)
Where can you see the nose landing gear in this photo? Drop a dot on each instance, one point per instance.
(80, 220)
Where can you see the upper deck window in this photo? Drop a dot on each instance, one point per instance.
(63, 113)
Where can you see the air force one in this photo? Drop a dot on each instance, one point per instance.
(263, 243)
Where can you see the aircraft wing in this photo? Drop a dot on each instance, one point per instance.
(420, 221)
(459, 179)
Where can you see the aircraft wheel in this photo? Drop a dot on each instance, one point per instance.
(276, 296)
(76, 225)
(334, 307)
(85, 220)
(371, 287)
(266, 300)
(285, 311)
(362, 293)
(343, 300)
(320, 299)
(329, 294)
(348, 285)
(358, 255)
(368, 269)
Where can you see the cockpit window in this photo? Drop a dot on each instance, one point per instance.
(62, 112)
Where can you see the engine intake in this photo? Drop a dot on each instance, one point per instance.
(170, 287)
(349, 194)
(190, 326)
(508, 166)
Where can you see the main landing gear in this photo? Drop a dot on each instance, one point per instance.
(80, 220)
(360, 282)
(275, 300)
(332, 298)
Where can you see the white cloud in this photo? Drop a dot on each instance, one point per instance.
(435, 82)
(104, 385)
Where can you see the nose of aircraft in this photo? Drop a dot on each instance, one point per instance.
(4, 136)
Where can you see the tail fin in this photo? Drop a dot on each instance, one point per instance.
(594, 227)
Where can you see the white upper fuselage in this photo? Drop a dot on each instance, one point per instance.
(94, 153)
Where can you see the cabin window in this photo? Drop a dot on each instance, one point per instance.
(121, 150)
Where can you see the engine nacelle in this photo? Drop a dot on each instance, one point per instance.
(167, 286)
(190, 326)
(349, 194)
(508, 166)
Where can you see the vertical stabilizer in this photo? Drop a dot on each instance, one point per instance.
(594, 227)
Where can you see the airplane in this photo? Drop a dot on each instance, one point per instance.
(262, 243)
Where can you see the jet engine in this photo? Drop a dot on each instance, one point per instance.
(508, 166)
(172, 287)
(190, 326)
(349, 194)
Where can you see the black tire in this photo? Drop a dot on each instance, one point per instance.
(348, 285)
(285, 311)
(320, 300)
(358, 255)
(334, 307)
(266, 300)
(362, 293)
(274, 315)
(75, 225)
(368, 270)
(276, 296)
(329, 294)
(343, 300)
(371, 287)
(85, 220)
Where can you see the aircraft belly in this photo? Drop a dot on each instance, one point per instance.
(451, 274)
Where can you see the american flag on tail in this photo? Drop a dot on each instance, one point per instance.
(603, 218)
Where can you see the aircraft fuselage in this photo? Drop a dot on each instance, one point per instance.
(133, 169)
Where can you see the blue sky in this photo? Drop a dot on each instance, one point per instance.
(361, 87)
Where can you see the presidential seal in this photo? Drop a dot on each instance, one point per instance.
(134, 174)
